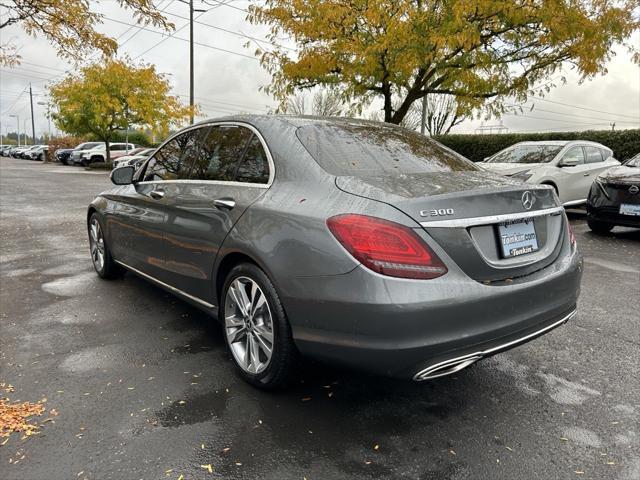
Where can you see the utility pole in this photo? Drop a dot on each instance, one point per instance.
(33, 122)
(191, 10)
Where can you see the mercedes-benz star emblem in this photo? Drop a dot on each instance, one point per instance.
(633, 189)
(528, 200)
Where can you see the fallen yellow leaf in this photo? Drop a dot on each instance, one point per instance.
(208, 467)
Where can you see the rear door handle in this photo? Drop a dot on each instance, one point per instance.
(586, 174)
(224, 203)
(156, 194)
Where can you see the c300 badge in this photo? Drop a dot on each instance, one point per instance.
(437, 212)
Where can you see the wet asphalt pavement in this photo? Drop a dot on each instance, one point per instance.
(144, 388)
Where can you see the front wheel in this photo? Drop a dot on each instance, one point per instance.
(101, 257)
(256, 329)
(599, 227)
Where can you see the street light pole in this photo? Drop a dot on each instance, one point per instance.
(191, 60)
(17, 117)
(24, 132)
(48, 116)
(33, 121)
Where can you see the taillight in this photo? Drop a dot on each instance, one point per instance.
(572, 236)
(386, 247)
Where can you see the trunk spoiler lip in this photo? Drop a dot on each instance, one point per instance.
(490, 219)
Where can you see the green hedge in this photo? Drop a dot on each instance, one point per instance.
(624, 143)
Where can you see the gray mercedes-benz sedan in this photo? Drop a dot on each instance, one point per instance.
(355, 242)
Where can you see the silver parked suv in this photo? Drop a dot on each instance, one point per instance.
(569, 167)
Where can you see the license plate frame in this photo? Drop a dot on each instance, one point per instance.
(516, 238)
(629, 209)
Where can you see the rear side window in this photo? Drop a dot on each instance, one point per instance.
(593, 154)
(220, 153)
(361, 149)
(173, 160)
(254, 167)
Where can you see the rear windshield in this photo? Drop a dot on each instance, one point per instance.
(527, 154)
(367, 149)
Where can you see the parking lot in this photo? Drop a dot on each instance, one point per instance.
(143, 387)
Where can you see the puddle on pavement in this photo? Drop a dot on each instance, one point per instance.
(95, 358)
(70, 286)
(195, 345)
(197, 409)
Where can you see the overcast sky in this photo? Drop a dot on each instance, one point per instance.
(227, 77)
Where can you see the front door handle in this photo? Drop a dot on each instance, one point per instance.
(224, 203)
(586, 174)
(156, 194)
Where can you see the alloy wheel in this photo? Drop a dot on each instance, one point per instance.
(249, 325)
(96, 242)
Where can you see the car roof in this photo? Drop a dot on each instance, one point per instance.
(295, 120)
(563, 143)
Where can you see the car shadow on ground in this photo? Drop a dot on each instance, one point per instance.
(336, 413)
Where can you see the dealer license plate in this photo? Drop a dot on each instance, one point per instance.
(630, 209)
(517, 238)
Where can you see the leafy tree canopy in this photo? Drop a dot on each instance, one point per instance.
(69, 25)
(113, 95)
(475, 50)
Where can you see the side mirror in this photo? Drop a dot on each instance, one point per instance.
(123, 175)
(568, 162)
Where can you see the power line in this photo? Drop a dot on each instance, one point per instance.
(187, 40)
(552, 119)
(239, 34)
(138, 26)
(584, 108)
(225, 5)
(557, 113)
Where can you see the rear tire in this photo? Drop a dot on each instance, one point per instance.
(254, 322)
(600, 228)
(101, 258)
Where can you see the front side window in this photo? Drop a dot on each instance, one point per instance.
(526, 154)
(576, 154)
(220, 153)
(593, 154)
(174, 160)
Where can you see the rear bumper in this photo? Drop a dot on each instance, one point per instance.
(401, 328)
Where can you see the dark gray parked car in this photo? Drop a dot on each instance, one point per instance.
(354, 242)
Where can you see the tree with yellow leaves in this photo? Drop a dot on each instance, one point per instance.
(474, 50)
(69, 25)
(114, 95)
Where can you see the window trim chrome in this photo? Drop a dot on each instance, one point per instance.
(490, 219)
(256, 132)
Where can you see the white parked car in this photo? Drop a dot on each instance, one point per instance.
(568, 166)
(76, 154)
(99, 153)
(37, 152)
(133, 157)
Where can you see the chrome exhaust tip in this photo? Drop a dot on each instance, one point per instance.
(454, 365)
(446, 368)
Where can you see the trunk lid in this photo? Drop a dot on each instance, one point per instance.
(462, 212)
